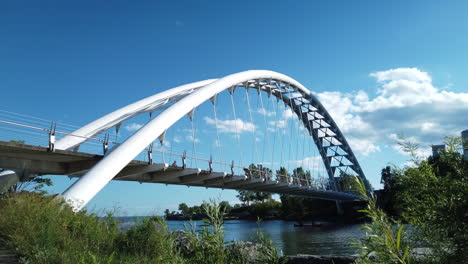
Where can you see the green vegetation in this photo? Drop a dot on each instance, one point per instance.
(35, 184)
(261, 205)
(41, 229)
(385, 240)
(432, 196)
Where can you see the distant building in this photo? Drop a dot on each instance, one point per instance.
(436, 149)
(464, 135)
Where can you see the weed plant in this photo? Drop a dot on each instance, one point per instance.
(385, 238)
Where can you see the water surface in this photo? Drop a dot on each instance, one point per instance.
(328, 239)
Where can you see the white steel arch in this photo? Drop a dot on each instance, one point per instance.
(186, 98)
(149, 104)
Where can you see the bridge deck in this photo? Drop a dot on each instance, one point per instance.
(37, 160)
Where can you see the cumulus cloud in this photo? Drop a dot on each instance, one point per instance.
(190, 138)
(132, 127)
(231, 126)
(288, 113)
(265, 112)
(406, 102)
(277, 124)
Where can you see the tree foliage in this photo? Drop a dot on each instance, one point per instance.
(246, 196)
(385, 238)
(282, 175)
(433, 196)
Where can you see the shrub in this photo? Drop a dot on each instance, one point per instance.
(385, 238)
(42, 229)
(45, 231)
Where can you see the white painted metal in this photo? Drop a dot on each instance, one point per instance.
(7, 179)
(115, 118)
(82, 191)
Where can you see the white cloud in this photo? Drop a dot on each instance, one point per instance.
(177, 139)
(190, 138)
(314, 164)
(408, 74)
(132, 127)
(264, 112)
(231, 126)
(278, 124)
(406, 102)
(287, 113)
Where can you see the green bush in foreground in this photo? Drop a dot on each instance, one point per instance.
(41, 229)
(385, 238)
(432, 196)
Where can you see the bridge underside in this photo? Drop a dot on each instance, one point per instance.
(34, 160)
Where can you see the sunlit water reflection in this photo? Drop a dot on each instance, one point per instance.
(325, 240)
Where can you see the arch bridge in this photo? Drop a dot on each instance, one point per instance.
(170, 106)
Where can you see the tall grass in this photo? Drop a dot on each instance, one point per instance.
(385, 238)
(41, 230)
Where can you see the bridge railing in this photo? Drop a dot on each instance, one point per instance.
(41, 136)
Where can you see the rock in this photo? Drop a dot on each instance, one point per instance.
(182, 241)
(314, 259)
(251, 252)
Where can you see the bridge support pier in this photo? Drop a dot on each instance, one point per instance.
(7, 179)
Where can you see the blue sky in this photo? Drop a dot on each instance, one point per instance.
(381, 68)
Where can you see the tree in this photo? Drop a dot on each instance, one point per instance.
(347, 183)
(167, 213)
(34, 184)
(246, 196)
(184, 209)
(302, 177)
(225, 207)
(433, 197)
(282, 175)
(388, 179)
(262, 196)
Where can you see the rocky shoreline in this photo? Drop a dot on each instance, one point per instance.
(316, 259)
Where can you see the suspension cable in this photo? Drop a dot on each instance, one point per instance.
(251, 121)
(193, 140)
(290, 130)
(237, 131)
(284, 132)
(217, 132)
(275, 132)
(297, 136)
(266, 125)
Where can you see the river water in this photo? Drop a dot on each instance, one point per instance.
(327, 239)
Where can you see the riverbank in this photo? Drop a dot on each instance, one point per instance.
(305, 210)
(327, 239)
(40, 229)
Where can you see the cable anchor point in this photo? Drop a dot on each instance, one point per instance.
(105, 144)
(53, 127)
(150, 154)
